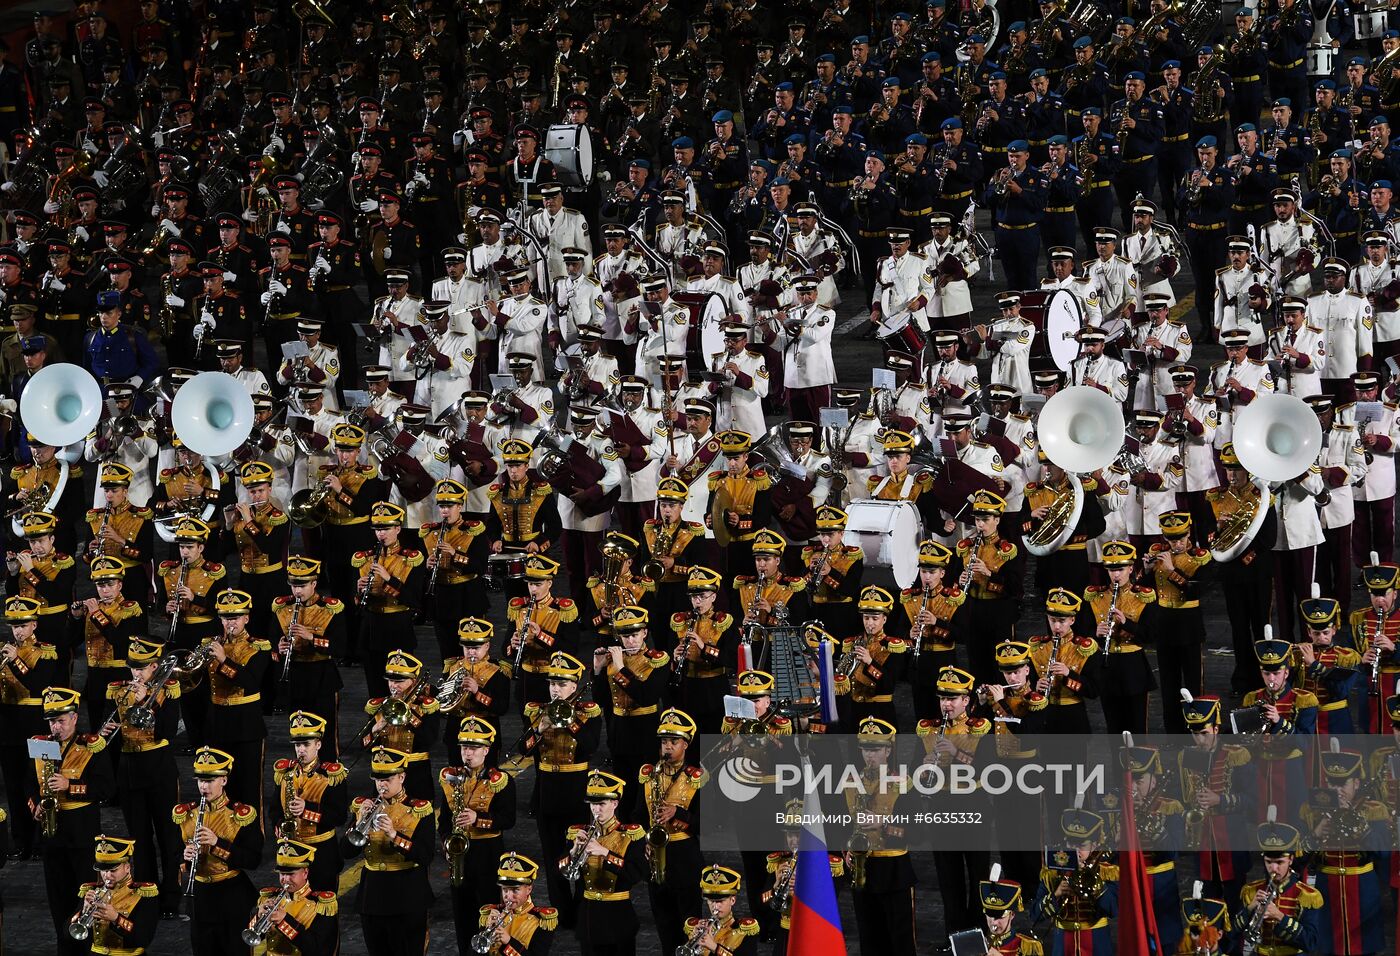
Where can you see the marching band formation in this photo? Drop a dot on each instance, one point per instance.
(324, 323)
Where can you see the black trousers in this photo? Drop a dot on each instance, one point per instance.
(379, 635)
(478, 887)
(1249, 598)
(14, 765)
(554, 842)
(1180, 665)
(65, 869)
(679, 896)
(959, 873)
(992, 621)
(885, 920)
(146, 812)
(402, 934)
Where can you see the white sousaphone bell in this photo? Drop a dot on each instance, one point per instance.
(1081, 430)
(1277, 438)
(212, 414)
(60, 406)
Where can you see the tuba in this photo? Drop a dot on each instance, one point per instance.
(1059, 522)
(1240, 528)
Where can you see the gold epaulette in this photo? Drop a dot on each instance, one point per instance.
(496, 781)
(696, 777)
(93, 743)
(47, 652)
(568, 610)
(548, 917)
(336, 773)
(633, 831)
(589, 710)
(747, 926)
(243, 814)
(420, 808)
(327, 904)
(657, 659)
(147, 891)
(261, 644)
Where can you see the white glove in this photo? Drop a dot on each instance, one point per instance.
(277, 287)
(265, 298)
(283, 227)
(175, 302)
(155, 210)
(459, 138)
(81, 232)
(8, 187)
(250, 215)
(461, 238)
(100, 178)
(277, 142)
(206, 318)
(473, 211)
(168, 225)
(58, 285)
(89, 146)
(158, 139)
(367, 205)
(299, 177)
(22, 245)
(322, 265)
(411, 189)
(269, 149)
(421, 178)
(136, 381)
(230, 277)
(388, 252)
(51, 207)
(263, 192)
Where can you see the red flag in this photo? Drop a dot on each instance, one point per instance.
(1137, 923)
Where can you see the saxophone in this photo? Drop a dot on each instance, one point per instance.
(287, 829)
(48, 801)
(459, 841)
(658, 836)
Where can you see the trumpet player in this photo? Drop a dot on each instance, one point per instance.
(312, 796)
(389, 591)
(482, 686)
(1242, 295)
(295, 913)
(46, 575)
(670, 804)
(440, 361)
(951, 381)
(26, 668)
(516, 926)
(613, 857)
(720, 930)
(1079, 900)
(67, 795)
(478, 802)
(408, 719)
(456, 552)
(398, 837)
(1374, 277)
(1284, 709)
(804, 341)
(1285, 908)
(707, 649)
(108, 623)
(1001, 901)
(118, 913)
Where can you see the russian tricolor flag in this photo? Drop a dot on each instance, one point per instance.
(816, 919)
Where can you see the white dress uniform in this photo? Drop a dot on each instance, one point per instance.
(818, 242)
(911, 401)
(324, 357)
(1296, 504)
(1368, 280)
(1341, 449)
(1380, 476)
(575, 301)
(1142, 506)
(280, 459)
(728, 289)
(436, 388)
(665, 334)
(432, 452)
(540, 397)
(1011, 363)
(949, 297)
(899, 282)
(862, 438)
(673, 241)
(640, 485)
(1020, 430)
(136, 454)
(1345, 318)
(253, 379)
(601, 368)
(405, 311)
(306, 470)
(606, 268)
(1115, 512)
(1176, 348)
(388, 404)
(1115, 280)
(461, 295)
(1300, 380)
(739, 401)
(1279, 244)
(1084, 290)
(1144, 251)
(807, 361)
(1198, 451)
(521, 331)
(570, 517)
(687, 445)
(481, 258)
(1106, 373)
(818, 468)
(1252, 374)
(1232, 309)
(750, 274)
(556, 232)
(963, 375)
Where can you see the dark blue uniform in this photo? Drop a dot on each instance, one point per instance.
(1018, 218)
(1062, 193)
(1175, 155)
(958, 184)
(1079, 90)
(1206, 217)
(839, 164)
(1138, 150)
(1255, 179)
(120, 354)
(1096, 195)
(1342, 220)
(1042, 119)
(872, 212)
(1246, 67)
(1287, 37)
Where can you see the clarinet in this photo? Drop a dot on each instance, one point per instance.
(175, 615)
(369, 577)
(1376, 664)
(1112, 624)
(287, 658)
(194, 864)
(966, 577)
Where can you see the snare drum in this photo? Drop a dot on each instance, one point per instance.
(501, 568)
(888, 532)
(1369, 25)
(1322, 58)
(570, 149)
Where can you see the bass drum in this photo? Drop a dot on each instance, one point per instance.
(705, 338)
(888, 532)
(1064, 317)
(570, 149)
(1033, 305)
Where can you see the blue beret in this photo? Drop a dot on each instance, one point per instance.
(860, 39)
(764, 165)
(1059, 140)
(784, 86)
(682, 142)
(936, 3)
(1092, 111)
(1135, 75)
(109, 299)
(1038, 71)
(1125, 21)
(1246, 128)
(641, 163)
(997, 75)
(951, 122)
(781, 181)
(1381, 184)
(1357, 61)
(931, 57)
(1172, 65)
(1284, 101)
(1018, 146)
(1018, 25)
(876, 154)
(723, 116)
(977, 38)
(902, 16)
(794, 138)
(1380, 118)
(1342, 153)
(1206, 142)
(1205, 48)
(891, 81)
(1245, 11)
(1390, 34)
(1324, 85)
(827, 58)
(1082, 42)
(916, 139)
(843, 108)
